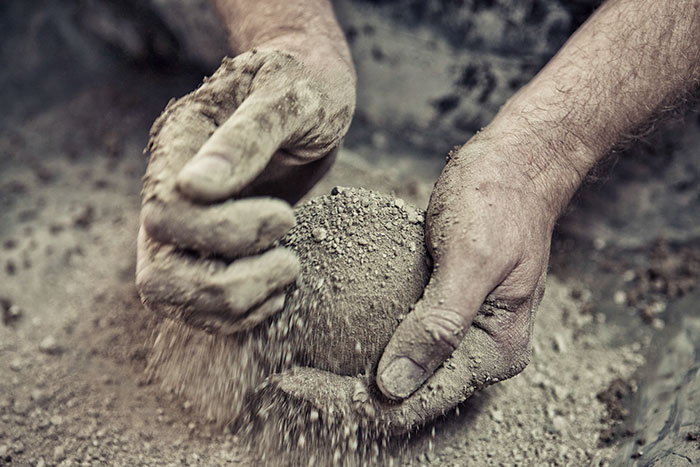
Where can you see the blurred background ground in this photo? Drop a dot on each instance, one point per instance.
(614, 375)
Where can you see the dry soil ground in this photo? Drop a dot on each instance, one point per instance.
(74, 339)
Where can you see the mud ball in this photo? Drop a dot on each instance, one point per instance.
(364, 265)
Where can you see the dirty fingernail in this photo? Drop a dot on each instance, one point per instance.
(205, 175)
(401, 378)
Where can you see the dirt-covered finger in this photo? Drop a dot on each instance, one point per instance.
(191, 289)
(478, 361)
(188, 122)
(232, 229)
(239, 150)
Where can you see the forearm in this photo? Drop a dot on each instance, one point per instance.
(630, 61)
(305, 26)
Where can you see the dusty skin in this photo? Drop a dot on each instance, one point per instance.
(208, 259)
(306, 377)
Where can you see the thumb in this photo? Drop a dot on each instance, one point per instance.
(239, 150)
(435, 328)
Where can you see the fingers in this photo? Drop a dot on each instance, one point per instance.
(232, 229)
(241, 148)
(213, 295)
(478, 362)
(223, 325)
(437, 325)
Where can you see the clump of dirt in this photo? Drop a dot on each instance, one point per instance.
(694, 436)
(671, 273)
(364, 264)
(614, 399)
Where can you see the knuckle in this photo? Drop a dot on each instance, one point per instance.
(445, 327)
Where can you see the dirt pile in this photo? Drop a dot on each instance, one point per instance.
(364, 264)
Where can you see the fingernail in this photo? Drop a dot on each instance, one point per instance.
(205, 174)
(401, 378)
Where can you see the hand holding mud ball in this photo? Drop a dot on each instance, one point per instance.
(269, 125)
(263, 129)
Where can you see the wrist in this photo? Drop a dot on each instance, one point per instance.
(319, 52)
(306, 28)
(546, 165)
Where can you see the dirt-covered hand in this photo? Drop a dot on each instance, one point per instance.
(489, 235)
(225, 161)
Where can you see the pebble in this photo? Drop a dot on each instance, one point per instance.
(497, 415)
(16, 364)
(559, 423)
(57, 420)
(40, 397)
(319, 234)
(619, 297)
(21, 407)
(560, 392)
(558, 343)
(49, 345)
(12, 315)
(4, 450)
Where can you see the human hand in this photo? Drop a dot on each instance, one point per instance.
(266, 124)
(488, 229)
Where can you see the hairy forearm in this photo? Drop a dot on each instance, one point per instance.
(629, 62)
(304, 25)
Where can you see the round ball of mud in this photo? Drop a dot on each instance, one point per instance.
(364, 264)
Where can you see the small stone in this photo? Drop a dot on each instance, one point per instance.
(620, 297)
(40, 397)
(21, 407)
(558, 343)
(337, 190)
(4, 450)
(319, 234)
(16, 364)
(559, 423)
(399, 203)
(10, 313)
(49, 345)
(41, 462)
(560, 392)
(57, 420)
(497, 415)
